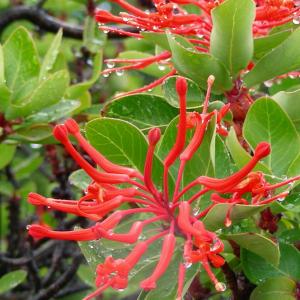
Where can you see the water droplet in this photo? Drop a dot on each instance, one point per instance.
(147, 11)
(268, 83)
(220, 287)
(228, 222)
(105, 74)
(214, 246)
(27, 227)
(187, 264)
(110, 232)
(106, 31)
(161, 67)
(296, 20)
(149, 90)
(110, 64)
(280, 199)
(125, 19)
(155, 27)
(200, 36)
(120, 290)
(120, 72)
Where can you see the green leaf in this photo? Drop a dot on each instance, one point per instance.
(85, 273)
(198, 66)
(283, 59)
(153, 69)
(55, 112)
(231, 38)
(4, 97)
(216, 216)
(77, 90)
(156, 38)
(294, 168)
(282, 288)
(93, 38)
(290, 103)
(33, 133)
(257, 269)
(263, 45)
(144, 111)
(49, 92)
(80, 179)
(194, 97)
(11, 280)
(51, 56)
(240, 156)
(266, 121)
(2, 69)
(122, 143)
(7, 154)
(257, 244)
(21, 58)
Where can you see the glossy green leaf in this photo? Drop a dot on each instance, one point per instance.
(122, 143)
(266, 121)
(156, 38)
(216, 217)
(21, 58)
(257, 244)
(85, 273)
(48, 92)
(283, 59)
(265, 44)
(154, 69)
(7, 154)
(290, 103)
(240, 156)
(198, 66)
(282, 288)
(11, 280)
(144, 111)
(80, 179)
(258, 269)
(51, 55)
(63, 108)
(294, 168)
(231, 39)
(194, 98)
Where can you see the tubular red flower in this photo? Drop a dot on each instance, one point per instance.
(163, 263)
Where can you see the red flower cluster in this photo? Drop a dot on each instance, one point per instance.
(116, 185)
(172, 17)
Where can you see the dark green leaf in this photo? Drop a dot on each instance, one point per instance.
(257, 244)
(231, 38)
(283, 59)
(282, 288)
(266, 121)
(198, 66)
(144, 111)
(122, 143)
(257, 269)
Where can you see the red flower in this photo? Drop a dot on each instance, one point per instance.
(106, 194)
(171, 16)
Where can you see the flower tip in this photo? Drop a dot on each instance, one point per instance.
(72, 126)
(37, 231)
(263, 149)
(227, 222)
(181, 86)
(103, 16)
(60, 132)
(36, 199)
(154, 136)
(148, 285)
(220, 287)
(211, 79)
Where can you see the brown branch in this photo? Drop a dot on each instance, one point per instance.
(44, 21)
